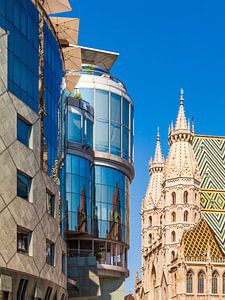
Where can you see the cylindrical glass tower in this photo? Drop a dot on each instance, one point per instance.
(96, 189)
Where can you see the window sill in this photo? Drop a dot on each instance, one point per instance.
(23, 252)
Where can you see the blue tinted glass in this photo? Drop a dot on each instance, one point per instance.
(115, 140)
(87, 95)
(23, 186)
(74, 127)
(125, 113)
(111, 204)
(115, 110)
(90, 133)
(17, 20)
(102, 135)
(102, 104)
(78, 194)
(125, 142)
(23, 131)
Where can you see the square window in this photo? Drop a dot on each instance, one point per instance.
(23, 240)
(50, 253)
(23, 131)
(50, 204)
(23, 186)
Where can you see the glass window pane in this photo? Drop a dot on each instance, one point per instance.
(102, 104)
(74, 127)
(115, 111)
(23, 186)
(87, 95)
(115, 141)
(125, 113)
(23, 131)
(102, 135)
(125, 143)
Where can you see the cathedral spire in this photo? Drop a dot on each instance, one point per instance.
(156, 172)
(181, 122)
(158, 158)
(182, 131)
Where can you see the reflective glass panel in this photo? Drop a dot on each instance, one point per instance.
(102, 104)
(102, 135)
(23, 131)
(23, 186)
(115, 110)
(74, 127)
(115, 141)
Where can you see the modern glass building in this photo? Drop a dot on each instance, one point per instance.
(97, 169)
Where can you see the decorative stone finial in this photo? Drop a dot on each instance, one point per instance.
(158, 135)
(181, 96)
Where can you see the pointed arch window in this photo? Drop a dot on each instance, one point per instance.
(223, 283)
(150, 238)
(185, 197)
(201, 282)
(161, 220)
(173, 198)
(189, 282)
(173, 216)
(173, 255)
(215, 282)
(173, 236)
(150, 221)
(185, 216)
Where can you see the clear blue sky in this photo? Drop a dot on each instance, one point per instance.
(163, 45)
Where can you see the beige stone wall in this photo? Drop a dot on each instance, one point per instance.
(15, 211)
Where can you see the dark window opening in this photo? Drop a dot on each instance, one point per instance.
(21, 292)
(23, 131)
(48, 293)
(23, 186)
(50, 253)
(50, 204)
(23, 241)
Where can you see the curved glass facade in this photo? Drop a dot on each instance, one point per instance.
(78, 194)
(113, 122)
(79, 122)
(20, 19)
(111, 204)
(52, 83)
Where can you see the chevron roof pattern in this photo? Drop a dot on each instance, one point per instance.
(210, 155)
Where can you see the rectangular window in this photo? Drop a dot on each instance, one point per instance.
(64, 263)
(102, 135)
(50, 253)
(23, 240)
(115, 110)
(102, 104)
(74, 126)
(23, 131)
(48, 293)
(125, 113)
(50, 204)
(21, 292)
(115, 139)
(23, 186)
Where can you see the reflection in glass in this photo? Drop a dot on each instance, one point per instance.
(77, 205)
(111, 204)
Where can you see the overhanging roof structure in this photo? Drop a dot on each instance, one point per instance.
(101, 58)
(55, 6)
(71, 81)
(66, 29)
